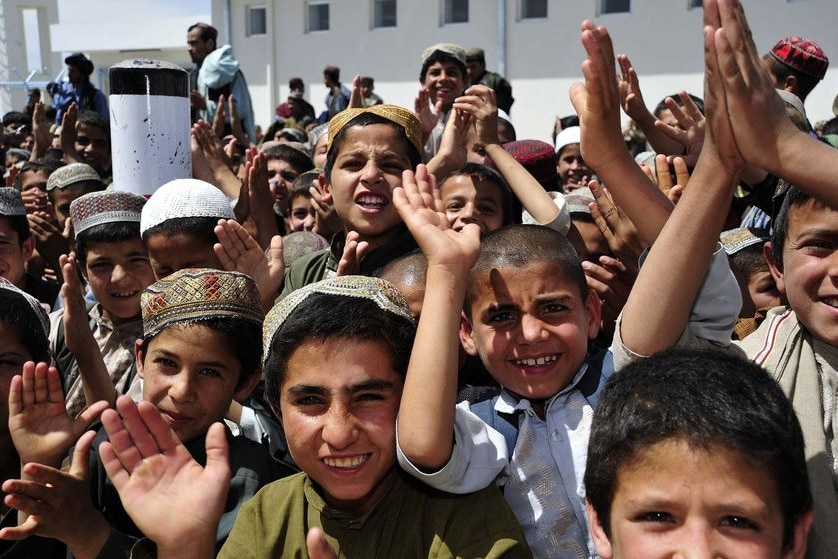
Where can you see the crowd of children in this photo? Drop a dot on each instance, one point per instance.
(411, 337)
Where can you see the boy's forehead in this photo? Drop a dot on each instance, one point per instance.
(812, 214)
(511, 284)
(383, 137)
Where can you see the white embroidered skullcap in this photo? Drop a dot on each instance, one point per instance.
(71, 174)
(11, 204)
(184, 198)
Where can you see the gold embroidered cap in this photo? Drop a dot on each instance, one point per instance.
(195, 294)
(394, 113)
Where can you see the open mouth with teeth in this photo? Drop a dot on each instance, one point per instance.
(347, 462)
(124, 294)
(372, 201)
(536, 361)
(831, 301)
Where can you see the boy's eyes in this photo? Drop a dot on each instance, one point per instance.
(658, 517)
(503, 316)
(210, 372)
(165, 362)
(739, 522)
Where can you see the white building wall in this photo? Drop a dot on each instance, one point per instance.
(14, 66)
(662, 37)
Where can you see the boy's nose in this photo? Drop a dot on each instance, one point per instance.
(181, 387)
(339, 430)
(531, 330)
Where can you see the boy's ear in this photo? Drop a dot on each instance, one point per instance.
(797, 548)
(466, 333)
(28, 248)
(326, 188)
(245, 389)
(776, 270)
(593, 308)
(138, 356)
(601, 541)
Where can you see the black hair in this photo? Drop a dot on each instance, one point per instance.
(301, 186)
(793, 197)
(323, 317)
(487, 174)
(202, 228)
(244, 338)
(332, 72)
(519, 246)
(94, 119)
(439, 56)
(709, 399)
(19, 225)
(208, 32)
(699, 102)
(115, 232)
(366, 80)
(296, 83)
(46, 164)
(296, 158)
(365, 119)
(18, 312)
(749, 260)
(805, 82)
(17, 117)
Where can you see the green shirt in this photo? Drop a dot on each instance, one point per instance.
(410, 520)
(324, 263)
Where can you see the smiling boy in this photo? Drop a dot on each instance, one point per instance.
(113, 260)
(200, 350)
(442, 78)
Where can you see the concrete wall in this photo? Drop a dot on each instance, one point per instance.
(543, 57)
(13, 62)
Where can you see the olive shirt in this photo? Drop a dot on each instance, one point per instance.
(323, 264)
(410, 520)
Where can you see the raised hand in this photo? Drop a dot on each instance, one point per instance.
(152, 471)
(239, 252)
(597, 102)
(419, 207)
(40, 427)
(356, 100)
(422, 108)
(628, 87)
(69, 132)
(40, 131)
(690, 133)
(479, 102)
(220, 117)
(57, 504)
(353, 252)
(618, 230)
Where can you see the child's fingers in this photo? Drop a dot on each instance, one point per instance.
(317, 546)
(54, 392)
(682, 174)
(662, 171)
(115, 469)
(78, 466)
(218, 451)
(136, 427)
(16, 404)
(163, 435)
(88, 416)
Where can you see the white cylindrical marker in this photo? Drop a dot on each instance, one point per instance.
(150, 126)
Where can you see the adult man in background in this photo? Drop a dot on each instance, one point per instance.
(217, 74)
(77, 89)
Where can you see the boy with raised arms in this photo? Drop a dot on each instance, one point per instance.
(795, 343)
(529, 315)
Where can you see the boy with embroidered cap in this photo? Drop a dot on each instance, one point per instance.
(201, 348)
(114, 262)
(178, 225)
(442, 79)
(796, 64)
(16, 247)
(368, 151)
(336, 353)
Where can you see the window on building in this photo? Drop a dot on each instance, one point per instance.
(455, 11)
(32, 39)
(533, 9)
(614, 6)
(318, 16)
(384, 13)
(257, 20)
(695, 4)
